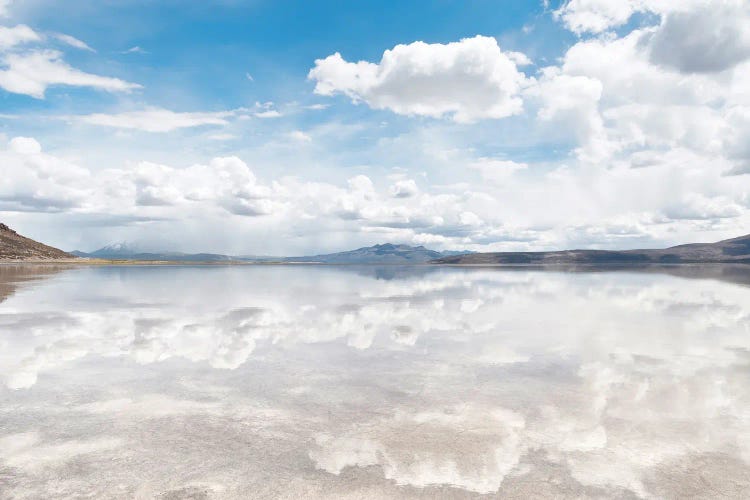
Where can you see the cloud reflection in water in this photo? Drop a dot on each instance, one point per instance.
(402, 382)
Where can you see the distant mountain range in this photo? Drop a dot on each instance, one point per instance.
(15, 247)
(123, 251)
(735, 250)
(378, 254)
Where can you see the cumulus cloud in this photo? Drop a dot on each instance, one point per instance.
(571, 102)
(641, 124)
(700, 207)
(714, 37)
(741, 168)
(35, 181)
(596, 16)
(563, 94)
(225, 182)
(156, 119)
(519, 206)
(469, 80)
(670, 84)
(404, 189)
(694, 36)
(24, 145)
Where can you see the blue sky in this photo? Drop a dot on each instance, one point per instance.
(486, 125)
(209, 49)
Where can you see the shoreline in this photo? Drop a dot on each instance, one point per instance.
(555, 265)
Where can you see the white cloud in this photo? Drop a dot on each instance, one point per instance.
(159, 185)
(361, 184)
(404, 189)
(39, 182)
(156, 119)
(740, 168)
(571, 103)
(10, 37)
(32, 72)
(34, 181)
(672, 83)
(266, 110)
(73, 42)
(497, 171)
(269, 113)
(714, 37)
(4, 7)
(225, 182)
(692, 36)
(24, 145)
(470, 219)
(700, 207)
(595, 15)
(222, 137)
(468, 80)
(134, 50)
(299, 136)
(515, 206)
(519, 58)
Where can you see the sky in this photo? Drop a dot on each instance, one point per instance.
(260, 127)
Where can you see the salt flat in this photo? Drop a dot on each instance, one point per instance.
(397, 382)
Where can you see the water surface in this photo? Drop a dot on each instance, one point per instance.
(421, 382)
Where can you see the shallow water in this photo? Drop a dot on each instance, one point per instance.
(421, 382)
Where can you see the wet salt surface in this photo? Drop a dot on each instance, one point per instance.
(322, 382)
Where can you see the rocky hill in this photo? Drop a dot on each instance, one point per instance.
(13, 246)
(735, 250)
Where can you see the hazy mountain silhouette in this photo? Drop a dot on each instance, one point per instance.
(127, 251)
(735, 250)
(378, 254)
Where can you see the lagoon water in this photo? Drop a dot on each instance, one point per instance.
(344, 382)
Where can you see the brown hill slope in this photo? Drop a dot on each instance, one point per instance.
(735, 250)
(13, 246)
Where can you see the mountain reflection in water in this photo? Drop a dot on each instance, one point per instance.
(314, 381)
